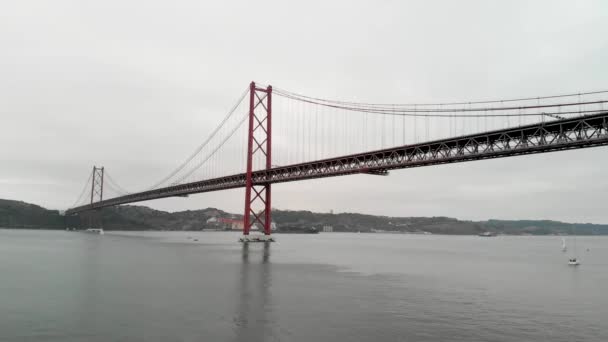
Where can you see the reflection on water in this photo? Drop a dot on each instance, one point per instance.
(252, 316)
(90, 259)
(162, 286)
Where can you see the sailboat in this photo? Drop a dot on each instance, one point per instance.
(564, 248)
(573, 261)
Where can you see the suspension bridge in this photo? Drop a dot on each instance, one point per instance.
(271, 135)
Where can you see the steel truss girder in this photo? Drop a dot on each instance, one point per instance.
(559, 135)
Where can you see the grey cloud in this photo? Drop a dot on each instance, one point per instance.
(135, 86)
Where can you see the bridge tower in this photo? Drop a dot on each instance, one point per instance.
(96, 196)
(97, 184)
(259, 149)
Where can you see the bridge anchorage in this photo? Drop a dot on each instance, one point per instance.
(275, 136)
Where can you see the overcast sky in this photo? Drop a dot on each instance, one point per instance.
(137, 85)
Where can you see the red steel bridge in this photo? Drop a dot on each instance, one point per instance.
(274, 136)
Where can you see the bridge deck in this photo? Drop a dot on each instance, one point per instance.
(559, 135)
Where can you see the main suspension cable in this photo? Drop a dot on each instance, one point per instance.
(431, 112)
(202, 146)
(114, 184)
(286, 93)
(212, 152)
(86, 186)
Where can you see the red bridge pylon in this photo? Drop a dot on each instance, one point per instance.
(97, 184)
(259, 148)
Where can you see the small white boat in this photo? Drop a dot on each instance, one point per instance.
(573, 261)
(564, 248)
(95, 231)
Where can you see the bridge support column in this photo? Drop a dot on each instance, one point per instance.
(259, 155)
(97, 184)
(95, 219)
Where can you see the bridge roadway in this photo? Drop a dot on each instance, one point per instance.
(559, 135)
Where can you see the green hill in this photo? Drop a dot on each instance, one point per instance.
(14, 214)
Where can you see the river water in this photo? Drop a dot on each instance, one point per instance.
(164, 286)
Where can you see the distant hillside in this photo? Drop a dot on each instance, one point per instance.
(435, 225)
(17, 214)
(542, 227)
(14, 214)
(128, 217)
(348, 222)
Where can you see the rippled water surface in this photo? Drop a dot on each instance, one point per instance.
(164, 286)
